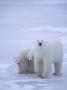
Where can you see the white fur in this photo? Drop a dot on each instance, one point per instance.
(51, 52)
(24, 65)
(30, 55)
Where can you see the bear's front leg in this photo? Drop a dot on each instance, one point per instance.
(47, 67)
(38, 67)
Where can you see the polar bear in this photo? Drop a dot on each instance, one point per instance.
(24, 65)
(46, 53)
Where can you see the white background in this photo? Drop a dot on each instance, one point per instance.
(22, 22)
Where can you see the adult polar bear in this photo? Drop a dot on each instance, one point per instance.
(46, 53)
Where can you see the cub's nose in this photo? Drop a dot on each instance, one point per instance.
(40, 44)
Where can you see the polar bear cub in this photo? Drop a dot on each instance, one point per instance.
(24, 65)
(46, 53)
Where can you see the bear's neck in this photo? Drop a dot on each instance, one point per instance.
(40, 49)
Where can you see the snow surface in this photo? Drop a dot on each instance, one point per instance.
(21, 23)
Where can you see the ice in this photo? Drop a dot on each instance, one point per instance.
(21, 23)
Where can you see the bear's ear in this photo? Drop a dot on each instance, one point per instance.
(37, 41)
(45, 41)
(42, 40)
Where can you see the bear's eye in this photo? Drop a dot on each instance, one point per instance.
(18, 63)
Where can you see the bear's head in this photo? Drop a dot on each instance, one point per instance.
(40, 43)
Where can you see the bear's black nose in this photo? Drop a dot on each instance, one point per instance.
(40, 44)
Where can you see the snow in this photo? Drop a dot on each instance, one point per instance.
(21, 23)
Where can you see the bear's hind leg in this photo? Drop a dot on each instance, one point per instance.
(58, 67)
